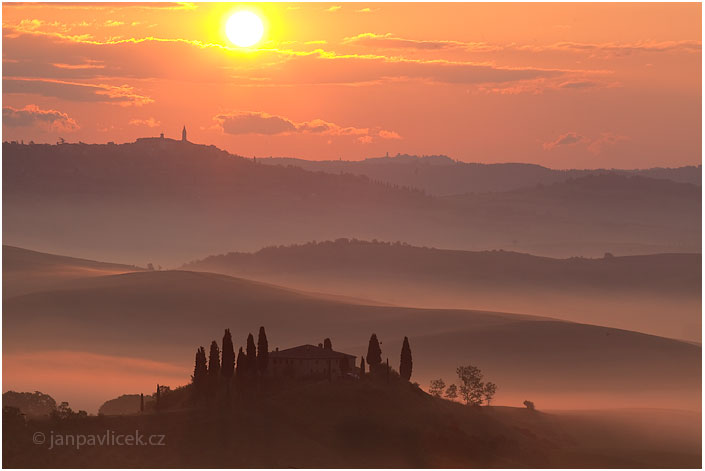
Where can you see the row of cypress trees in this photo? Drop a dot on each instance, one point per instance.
(221, 366)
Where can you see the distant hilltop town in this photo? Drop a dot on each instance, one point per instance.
(161, 137)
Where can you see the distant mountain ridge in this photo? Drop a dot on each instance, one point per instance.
(442, 176)
(166, 201)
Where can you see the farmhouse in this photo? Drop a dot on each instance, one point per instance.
(310, 361)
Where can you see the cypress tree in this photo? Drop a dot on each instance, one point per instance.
(327, 344)
(214, 360)
(251, 353)
(362, 367)
(406, 364)
(228, 360)
(241, 364)
(374, 353)
(200, 373)
(141, 402)
(262, 351)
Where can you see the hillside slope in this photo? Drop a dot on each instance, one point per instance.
(630, 292)
(367, 425)
(24, 271)
(167, 202)
(164, 316)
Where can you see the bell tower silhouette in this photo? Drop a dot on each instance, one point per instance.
(183, 135)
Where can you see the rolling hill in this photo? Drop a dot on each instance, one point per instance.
(106, 324)
(658, 294)
(164, 202)
(24, 271)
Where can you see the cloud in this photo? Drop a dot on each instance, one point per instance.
(89, 64)
(149, 122)
(593, 145)
(123, 95)
(606, 139)
(389, 134)
(253, 122)
(389, 41)
(577, 84)
(334, 8)
(32, 115)
(30, 54)
(366, 10)
(392, 42)
(566, 139)
(629, 48)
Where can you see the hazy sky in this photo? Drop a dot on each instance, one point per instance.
(562, 85)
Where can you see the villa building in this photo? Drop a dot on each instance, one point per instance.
(310, 361)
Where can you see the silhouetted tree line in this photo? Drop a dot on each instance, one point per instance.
(222, 367)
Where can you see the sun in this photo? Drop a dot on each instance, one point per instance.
(244, 28)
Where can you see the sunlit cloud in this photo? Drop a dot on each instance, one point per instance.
(567, 139)
(32, 115)
(252, 122)
(390, 41)
(593, 145)
(123, 95)
(149, 122)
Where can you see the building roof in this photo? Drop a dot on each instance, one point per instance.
(309, 351)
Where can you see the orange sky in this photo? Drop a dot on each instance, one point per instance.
(561, 85)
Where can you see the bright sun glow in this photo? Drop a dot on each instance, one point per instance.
(244, 28)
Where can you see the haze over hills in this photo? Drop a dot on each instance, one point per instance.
(133, 329)
(165, 201)
(657, 294)
(442, 176)
(24, 271)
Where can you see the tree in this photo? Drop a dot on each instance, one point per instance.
(362, 367)
(262, 351)
(214, 360)
(228, 360)
(327, 344)
(529, 405)
(437, 387)
(489, 391)
(200, 373)
(241, 370)
(406, 364)
(471, 385)
(452, 392)
(141, 402)
(158, 394)
(251, 354)
(374, 353)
